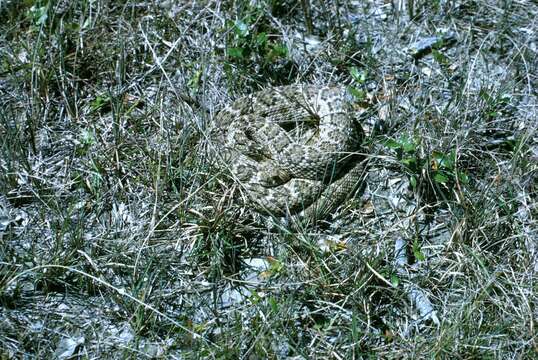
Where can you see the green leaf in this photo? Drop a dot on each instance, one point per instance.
(280, 49)
(274, 304)
(463, 178)
(413, 181)
(275, 266)
(452, 157)
(440, 178)
(440, 57)
(483, 93)
(86, 23)
(393, 144)
(395, 280)
(261, 39)
(254, 297)
(358, 76)
(419, 255)
(236, 52)
(277, 51)
(409, 162)
(99, 102)
(408, 144)
(358, 94)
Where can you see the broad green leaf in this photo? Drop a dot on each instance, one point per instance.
(408, 144)
(236, 52)
(485, 95)
(409, 162)
(277, 51)
(440, 178)
(358, 94)
(99, 102)
(87, 138)
(274, 304)
(254, 297)
(358, 76)
(413, 181)
(393, 144)
(87, 23)
(452, 157)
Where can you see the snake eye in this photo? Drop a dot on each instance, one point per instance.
(274, 178)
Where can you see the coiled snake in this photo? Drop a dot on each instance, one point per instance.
(292, 148)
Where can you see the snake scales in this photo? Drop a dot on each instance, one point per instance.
(292, 148)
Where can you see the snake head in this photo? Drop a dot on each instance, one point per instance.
(273, 177)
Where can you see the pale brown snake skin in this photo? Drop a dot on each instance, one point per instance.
(292, 148)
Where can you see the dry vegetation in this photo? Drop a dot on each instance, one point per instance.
(119, 239)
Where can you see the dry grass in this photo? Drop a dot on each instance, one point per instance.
(118, 239)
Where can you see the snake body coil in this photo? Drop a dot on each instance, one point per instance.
(292, 148)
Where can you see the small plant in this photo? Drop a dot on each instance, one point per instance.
(444, 170)
(250, 43)
(417, 251)
(359, 78)
(406, 153)
(38, 14)
(276, 268)
(439, 166)
(496, 105)
(255, 48)
(101, 103)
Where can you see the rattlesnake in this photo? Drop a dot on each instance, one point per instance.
(291, 148)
